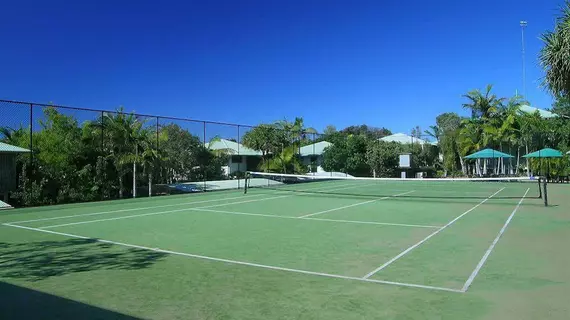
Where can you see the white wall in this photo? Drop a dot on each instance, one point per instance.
(237, 166)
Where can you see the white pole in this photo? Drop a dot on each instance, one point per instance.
(523, 25)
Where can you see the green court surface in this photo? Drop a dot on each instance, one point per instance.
(345, 250)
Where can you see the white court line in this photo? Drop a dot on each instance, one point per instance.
(154, 213)
(492, 246)
(143, 208)
(178, 210)
(132, 209)
(403, 253)
(250, 264)
(317, 219)
(372, 222)
(354, 205)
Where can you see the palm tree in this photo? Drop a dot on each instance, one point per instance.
(125, 136)
(553, 56)
(284, 162)
(469, 138)
(12, 136)
(483, 105)
(151, 160)
(433, 132)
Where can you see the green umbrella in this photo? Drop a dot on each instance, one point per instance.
(544, 153)
(488, 154)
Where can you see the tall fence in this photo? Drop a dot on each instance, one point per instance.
(56, 154)
(59, 154)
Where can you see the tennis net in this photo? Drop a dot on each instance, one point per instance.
(465, 188)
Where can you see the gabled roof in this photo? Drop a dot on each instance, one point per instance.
(314, 149)
(6, 148)
(232, 147)
(543, 113)
(405, 139)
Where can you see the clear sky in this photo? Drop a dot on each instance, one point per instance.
(390, 63)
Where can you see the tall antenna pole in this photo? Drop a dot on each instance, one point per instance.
(523, 24)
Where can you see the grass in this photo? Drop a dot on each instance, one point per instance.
(525, 276)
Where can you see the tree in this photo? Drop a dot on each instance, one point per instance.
(553, 56)
(265, 138)
(126, 135)
(369, 132)
(561, 106)
(482, 105)
(286, 161)
(383, 158)
(347, 154)
(330, 129)
(417, 132)
(433, 132)
(180, 150)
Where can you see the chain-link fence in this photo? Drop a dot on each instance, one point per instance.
(55, 154)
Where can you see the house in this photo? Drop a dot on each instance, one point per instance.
(8, 176)
(241, 157)
(543, 113)
(405, 139)
(312, 155)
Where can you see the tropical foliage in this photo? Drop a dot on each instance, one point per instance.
(496, 123)
(110, 157)
(554, 55)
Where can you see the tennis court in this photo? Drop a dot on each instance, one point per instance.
(357, 230)
(426, 236)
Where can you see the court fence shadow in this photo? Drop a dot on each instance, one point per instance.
(22, 303)
(34, 261)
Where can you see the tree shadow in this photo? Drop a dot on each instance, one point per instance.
(23, 303)
(35, 261)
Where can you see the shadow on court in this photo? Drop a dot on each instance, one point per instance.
(35, 261)
(23, 303)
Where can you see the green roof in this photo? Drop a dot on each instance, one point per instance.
(232, 147)
(488, 154)
(314, 149)
(6, 148)
(544, 153)
(405, 139)
(543, 113)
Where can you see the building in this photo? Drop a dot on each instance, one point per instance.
(312, 155)
(8, 175)
(241, 157)
(405, 139)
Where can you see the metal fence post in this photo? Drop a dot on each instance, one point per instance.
(204, 165)
(240, 158)
(30, 171)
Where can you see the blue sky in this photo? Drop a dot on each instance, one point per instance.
(395, 64)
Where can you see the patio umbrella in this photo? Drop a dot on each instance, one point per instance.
(488, 154)
(545, 153)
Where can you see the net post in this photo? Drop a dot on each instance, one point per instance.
(540, 187)
(545, 192)
(246, 182)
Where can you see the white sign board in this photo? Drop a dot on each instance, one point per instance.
(404, 161)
